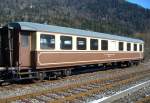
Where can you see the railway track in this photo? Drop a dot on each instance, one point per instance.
(78, 83)
(130, 95)
(139, 94)
(78, 91)
(104, 74)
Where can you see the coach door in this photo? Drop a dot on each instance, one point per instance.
(25, 49)
(9, 47)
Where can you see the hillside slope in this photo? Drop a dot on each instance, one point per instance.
(111, 16)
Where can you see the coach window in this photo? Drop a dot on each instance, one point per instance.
(25, 39)
(47, 41)
(94, 44)
(66, 42)
(128, 46)
(81, 43)
(135, 47)
(140, 47)
(120, 46)
(104, 44)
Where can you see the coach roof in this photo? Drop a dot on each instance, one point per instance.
(65, 30)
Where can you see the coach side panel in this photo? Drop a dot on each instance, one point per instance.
(57, 57)
(60, 59)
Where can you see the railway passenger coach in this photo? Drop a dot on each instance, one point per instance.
(32, 50)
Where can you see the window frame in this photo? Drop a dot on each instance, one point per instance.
(63, 36)
(103, 46)
(122, 46)
(52, 48)
(141, 47)
(81, 39)
(94, 48)
(129, 47)
(135, 47)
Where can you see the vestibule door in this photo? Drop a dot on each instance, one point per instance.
(25, 49)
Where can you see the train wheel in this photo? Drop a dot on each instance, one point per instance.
(41, 76)
(66, 72)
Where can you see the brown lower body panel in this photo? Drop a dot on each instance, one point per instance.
(62, 59)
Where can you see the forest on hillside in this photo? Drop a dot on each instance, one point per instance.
(117, 17)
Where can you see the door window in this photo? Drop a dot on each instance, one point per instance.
(24, 39)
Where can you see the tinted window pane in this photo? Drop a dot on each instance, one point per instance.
(140, 47)
(66, 42)
(25, 39)
(47, 41)
(135, 47)
(120, 46)
(81, 43)
(128, 47)
(94, 44)
(104, 44)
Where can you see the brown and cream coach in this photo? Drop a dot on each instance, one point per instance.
(32, 50)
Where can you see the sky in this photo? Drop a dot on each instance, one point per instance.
(143, 3)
